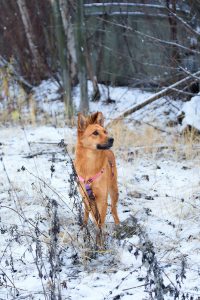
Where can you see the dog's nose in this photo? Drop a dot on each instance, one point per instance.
(111, 140)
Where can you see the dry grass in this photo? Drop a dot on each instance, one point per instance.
(147, 140)
(187, 145)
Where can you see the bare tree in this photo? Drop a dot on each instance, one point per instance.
(81, 50)
(96, 93)
(63, 61)
(69, 32)
(29, 33)
(115, 42)
(175, 56)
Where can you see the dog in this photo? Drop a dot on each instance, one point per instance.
(96, 168)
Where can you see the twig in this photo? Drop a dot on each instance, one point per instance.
(135, 287)
(53, 190)
(45, 143)
(13, 285)
(26, 220)
(167, 42)
(184, 23)
(38, 153)
(188, 73)
(35, 154)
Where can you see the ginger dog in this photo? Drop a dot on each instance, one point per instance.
(96, 168)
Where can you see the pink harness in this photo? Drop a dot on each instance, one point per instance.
(91, 179)
(88, 182)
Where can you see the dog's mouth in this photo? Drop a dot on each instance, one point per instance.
(105, 146)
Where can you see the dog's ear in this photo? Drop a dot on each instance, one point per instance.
(97, 118)
(93, 117)
(82, 122)
(100, 119)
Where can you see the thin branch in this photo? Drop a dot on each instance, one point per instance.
(39, 153)
(167, 42)
(189, 73)
(183, 92)
(13, 285)
(137, 286)
(53, 190)
(151, 37)
(26, 220)
(185, 24)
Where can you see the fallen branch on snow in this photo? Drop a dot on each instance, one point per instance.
(154, 97)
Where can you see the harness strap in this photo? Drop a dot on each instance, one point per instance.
(91, 179)
(88, 182)
(89, 192)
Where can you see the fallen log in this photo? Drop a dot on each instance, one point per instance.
(154, 97)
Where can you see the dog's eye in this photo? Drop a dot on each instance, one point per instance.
(95, 132)
(105, 132)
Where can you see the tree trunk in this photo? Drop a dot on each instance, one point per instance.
(29, 33)
(81, 51)
(69, 32)
(64, 63)
(96, 93)
(175, 56)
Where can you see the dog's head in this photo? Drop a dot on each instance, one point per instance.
(91, 132)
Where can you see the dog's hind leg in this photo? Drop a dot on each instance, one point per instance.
(112, 185)
(113, 191)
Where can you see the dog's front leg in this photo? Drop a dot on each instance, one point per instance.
(101, 210)
(101, 206)
(113, 191)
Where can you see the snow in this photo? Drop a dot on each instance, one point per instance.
(158, 113)
(158, 208)
(191, 109)
(48, 89)
(167, 220)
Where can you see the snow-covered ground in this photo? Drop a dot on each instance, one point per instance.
(154, 254)
(159, 192)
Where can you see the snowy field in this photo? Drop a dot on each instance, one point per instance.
(46, 254)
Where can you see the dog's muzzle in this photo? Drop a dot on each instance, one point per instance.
(106, 146)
